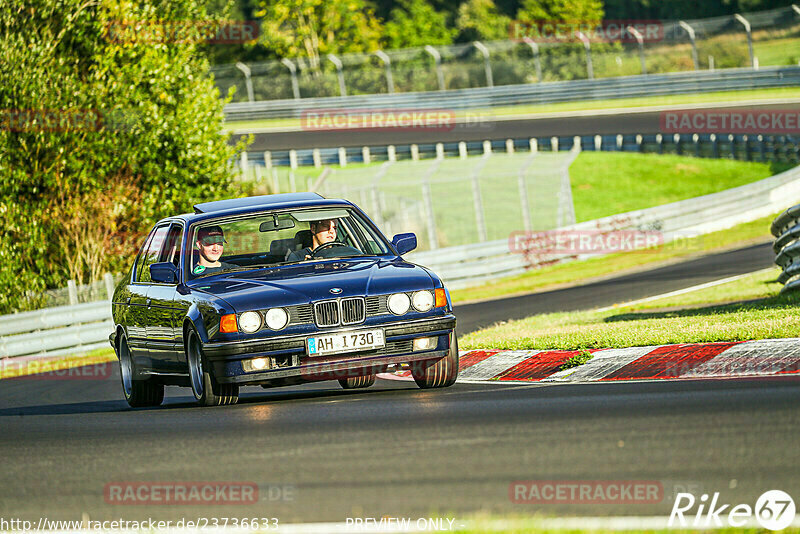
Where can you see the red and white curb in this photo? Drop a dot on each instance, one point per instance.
(767, 357)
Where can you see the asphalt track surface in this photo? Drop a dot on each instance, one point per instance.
(319, 453)
(626, 122)
(617, 289)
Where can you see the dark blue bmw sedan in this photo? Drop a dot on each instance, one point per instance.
(277, 290)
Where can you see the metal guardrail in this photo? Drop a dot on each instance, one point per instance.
(56, 331)
(786, 229)
(468, 265)
(540, 93)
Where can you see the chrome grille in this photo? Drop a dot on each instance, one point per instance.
(374, 305)
(353, 310)
(327, 313)
(302, 314)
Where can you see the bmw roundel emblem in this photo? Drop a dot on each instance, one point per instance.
(336, 290)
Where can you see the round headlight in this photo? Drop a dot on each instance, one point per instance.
(250, 321)
(277, 318)
(422, 301)
(399, 303)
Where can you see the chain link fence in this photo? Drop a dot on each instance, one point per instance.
(762, 38)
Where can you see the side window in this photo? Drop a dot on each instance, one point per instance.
(172, 247)
(137, 274)
(151, 254)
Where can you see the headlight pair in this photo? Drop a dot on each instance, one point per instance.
(399, 303)
(275, 319)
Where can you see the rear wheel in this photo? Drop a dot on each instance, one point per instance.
(357, 382)
(206, 389)
(137, 393)
(441, 374)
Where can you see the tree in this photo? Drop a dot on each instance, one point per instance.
(417, 23)
(481, 20)
(107, 129)
(311, 28)
(569, 11)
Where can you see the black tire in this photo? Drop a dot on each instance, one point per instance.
(357, 382)
(441, 374)
(138, 393)
(205, 387)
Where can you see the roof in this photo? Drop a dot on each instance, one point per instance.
(248, 202)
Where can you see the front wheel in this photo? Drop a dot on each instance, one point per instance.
(138, 393)
(441, 374)
(206, 389)
(357, 382)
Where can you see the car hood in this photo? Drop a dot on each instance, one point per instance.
(290, 285)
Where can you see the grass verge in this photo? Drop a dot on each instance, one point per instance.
(530, 111)
(747, 308)
(582, 271)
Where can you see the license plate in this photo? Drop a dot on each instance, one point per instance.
(345, 342)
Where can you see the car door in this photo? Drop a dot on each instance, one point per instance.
(140, 305)
(165, 312)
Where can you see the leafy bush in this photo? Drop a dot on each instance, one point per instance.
(101, 138)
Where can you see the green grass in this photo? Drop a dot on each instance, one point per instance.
(748, 308)
(609, 183)
(575, 272)
(531, 110)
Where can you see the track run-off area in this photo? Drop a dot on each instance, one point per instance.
(318, 453)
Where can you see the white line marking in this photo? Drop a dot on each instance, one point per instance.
(684, 291)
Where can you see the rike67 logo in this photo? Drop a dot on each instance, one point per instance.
(774, 510)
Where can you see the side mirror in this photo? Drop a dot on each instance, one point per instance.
(404, 243)
(164, 273)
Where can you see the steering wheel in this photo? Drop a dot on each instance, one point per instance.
(325, 246)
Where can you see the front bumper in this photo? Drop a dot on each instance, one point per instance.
(226, 358)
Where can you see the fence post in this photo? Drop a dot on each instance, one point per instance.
(746, 25)
(391, 153)
(691, 33)
(109, 280)
(554, 144)
(462, 149)
(72, 290)
(247, 80)
(480, 220)
(339, 73)
(387, 65)
(620, 140)
(276, 188)
(428, 202)
(533, 143)
(509, 146)
(439, 151)
(487, 147)
(598, 143)
(414, 152)
(487, 67)
(696, 141)
(714, 146)
(677, 140)
(317, 158)
(660, 143)
(365, 155)
(293, 159)
(243, 163)
(538, 62)
(640, 40)
(293, 71)
(639, 147)
(588, 46)
(268, 159)
(523, 193)
(437, 58)
(342, 157)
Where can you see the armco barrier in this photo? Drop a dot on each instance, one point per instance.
(56, 331)
(467, 265)
(786, 229)
(526, 94)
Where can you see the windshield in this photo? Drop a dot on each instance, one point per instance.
(263, 240)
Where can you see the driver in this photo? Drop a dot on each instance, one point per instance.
(321, 232)
(210, 243)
